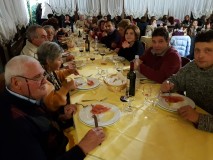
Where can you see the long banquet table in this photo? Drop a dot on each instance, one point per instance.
(147, 133)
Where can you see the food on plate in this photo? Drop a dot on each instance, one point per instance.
(173, 99)
(90, 83)
(116, 79)
(98, 109)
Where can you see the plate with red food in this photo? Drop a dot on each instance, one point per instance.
(86, 83)
(174, 101)
(106, 113)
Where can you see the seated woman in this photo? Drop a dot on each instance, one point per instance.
(49, 56)
(51, 36)
(131, 46)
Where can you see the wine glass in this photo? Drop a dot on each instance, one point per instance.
(92, 57)
(129, 99)
(102, 53)
(81, 50)
(119, 67)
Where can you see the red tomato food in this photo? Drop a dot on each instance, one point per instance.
(90, 83)
(98, 109)
(173, 99)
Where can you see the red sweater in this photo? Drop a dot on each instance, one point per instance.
(159, 68)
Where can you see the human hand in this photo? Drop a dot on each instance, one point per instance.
(116, 50)
(166, 87)
(113, 45)
(69, 110)
(104, 34)
(69, 85)
(71, 66)
(70, 58)
(137, 63)
(92, 139)
(125, 44)
(188, 113)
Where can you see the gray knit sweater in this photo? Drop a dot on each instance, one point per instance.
(198, 85)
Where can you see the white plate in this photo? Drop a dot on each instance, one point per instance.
(104, 119)
(83, 83)
(174, 106)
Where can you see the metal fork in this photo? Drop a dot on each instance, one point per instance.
(168, 82)
(84, 106)
(87, 100)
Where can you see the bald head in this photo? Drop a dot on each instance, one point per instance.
(19, 65)
(25, 76)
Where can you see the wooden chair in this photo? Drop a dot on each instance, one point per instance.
(184, 61)
(144, 45)
(3, 59)
(2, 82)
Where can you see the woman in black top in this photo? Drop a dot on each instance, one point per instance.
(131, 46)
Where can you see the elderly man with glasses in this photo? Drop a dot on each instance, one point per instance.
(28, 130)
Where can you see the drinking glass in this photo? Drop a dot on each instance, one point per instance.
(119, 67)
(92, 57)
(102, 53)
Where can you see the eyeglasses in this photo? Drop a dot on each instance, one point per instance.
(37, 79)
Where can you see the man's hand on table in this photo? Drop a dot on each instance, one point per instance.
(69, 110)
(92, 139)
(166, 87)
(188, 113)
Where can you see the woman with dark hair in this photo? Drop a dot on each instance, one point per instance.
(171, 21)
(186, 21)
(131, 46)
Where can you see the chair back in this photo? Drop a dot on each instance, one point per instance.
(2, 82)
(184, 61)
(144, 45)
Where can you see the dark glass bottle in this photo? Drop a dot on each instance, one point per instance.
(132, 77)
(79, 34)
(87, 44)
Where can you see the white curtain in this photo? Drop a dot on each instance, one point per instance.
(89, 7)
(63, 6)
(204, 7)
(112, 7)
(135, 8)
(13, 14)
(176, 8)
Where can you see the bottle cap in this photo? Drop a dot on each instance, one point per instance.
(136, 56)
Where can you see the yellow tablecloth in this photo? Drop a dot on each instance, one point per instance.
(147, 133)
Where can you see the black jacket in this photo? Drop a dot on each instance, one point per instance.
(28, 132)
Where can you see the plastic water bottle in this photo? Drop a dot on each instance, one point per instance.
(96, 43)
(138, 75)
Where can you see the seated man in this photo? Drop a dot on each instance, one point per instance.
(160, 61)
(27, 129)
(196, 80)
(36, 35)
(111, 38)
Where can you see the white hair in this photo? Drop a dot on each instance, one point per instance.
(17, 66)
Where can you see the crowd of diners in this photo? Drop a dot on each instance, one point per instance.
(36, 101)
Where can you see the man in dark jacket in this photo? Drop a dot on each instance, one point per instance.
(28, 130)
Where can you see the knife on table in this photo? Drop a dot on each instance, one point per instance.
(95, 119)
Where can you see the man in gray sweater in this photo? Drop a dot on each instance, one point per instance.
(196, 79)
